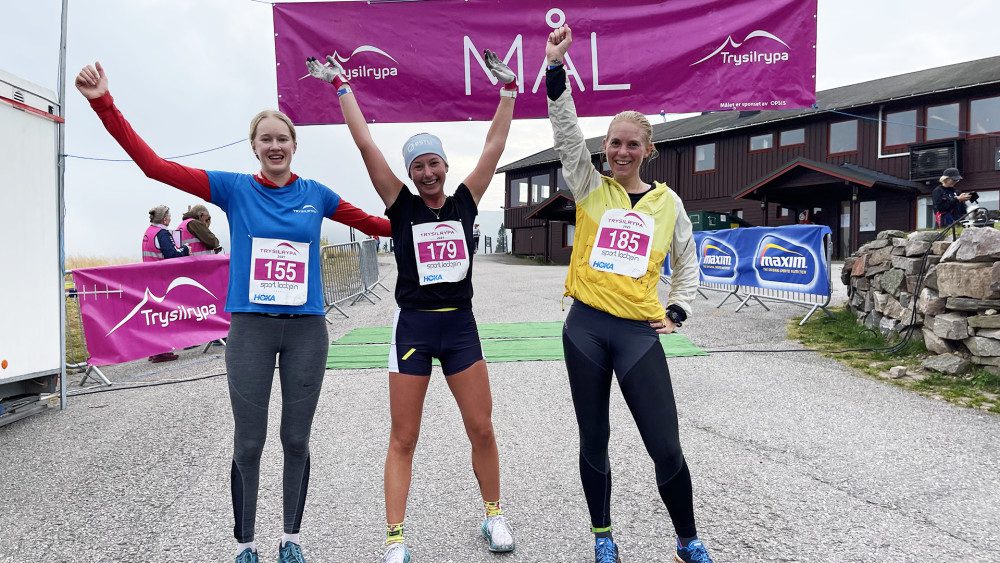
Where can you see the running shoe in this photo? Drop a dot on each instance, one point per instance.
(695, 552)
(606, 551)
(396, 553)
(247, 556)
(497, 532)
(291, 552)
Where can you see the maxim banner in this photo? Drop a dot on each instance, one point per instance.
(137, 310)
(423, 61)
(789, 258)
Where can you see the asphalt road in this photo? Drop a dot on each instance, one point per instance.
(794, 458)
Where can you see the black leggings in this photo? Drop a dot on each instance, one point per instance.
(595, 344)
(300, 345)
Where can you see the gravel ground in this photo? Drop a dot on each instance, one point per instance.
(794, 458)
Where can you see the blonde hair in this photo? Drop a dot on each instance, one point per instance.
(271, 113)
(943, 178)
(158, 214)
(644, 126)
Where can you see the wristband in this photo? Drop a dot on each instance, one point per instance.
(345, 89)
(338, 82)
(506, 93)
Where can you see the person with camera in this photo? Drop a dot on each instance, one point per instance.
(949, 206)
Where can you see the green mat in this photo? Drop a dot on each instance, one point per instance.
(502, 342)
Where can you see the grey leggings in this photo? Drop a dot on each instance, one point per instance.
(300, 345)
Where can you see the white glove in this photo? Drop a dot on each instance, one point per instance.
(502, 72)
(329, 72)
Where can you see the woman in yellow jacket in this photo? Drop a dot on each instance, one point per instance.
(624, 230)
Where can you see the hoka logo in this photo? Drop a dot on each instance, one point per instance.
(598, 265)
(433, 278)
(263, 297)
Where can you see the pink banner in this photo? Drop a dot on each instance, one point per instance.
(422, 61)
(136, 310)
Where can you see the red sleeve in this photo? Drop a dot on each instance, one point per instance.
(192, 180)
(357, 218)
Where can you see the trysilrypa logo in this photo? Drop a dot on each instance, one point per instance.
(179, 313)
(733, 53)
(782, 261)
(718, 259)
(308, 208)
(365, 70)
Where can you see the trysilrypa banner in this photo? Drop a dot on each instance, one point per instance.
(136, 310)
(789, 258)
(423, 61)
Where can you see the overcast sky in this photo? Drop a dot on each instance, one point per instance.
(189, 75)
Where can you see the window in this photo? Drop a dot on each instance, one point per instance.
(900, 128)
(942, 122)
(539, 188)
(989, 200)
(762, 142)
(784, 211)
(704, 157)
(925, 213)
(866, 216)
(518, 192)
(792, 137)
(561, 184)
(844, 136)
(568, 232)
(984, 116)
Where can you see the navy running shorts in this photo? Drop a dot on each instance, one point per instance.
(418, 336)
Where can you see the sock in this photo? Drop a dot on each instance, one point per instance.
(602, 533)
(240, 547)
(294, 538)
(393, 533)
(683, 542)
(492, 508)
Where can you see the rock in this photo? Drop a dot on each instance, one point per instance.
(929, 303)
(922, 236)
(950, 364)
(888, 326)
(982, 346)
(978, 244)
(897, 372)
(892, 280)
(932, 261)
(909, 266)
(985, 360)
(893, 309)
(879, 256)
(982, 321)
(936, 344)
(878, 269)
(857, 300)
(881, 300)
(940, 247)
(917, 247)
(898, 250)
(930, 278)
(876, 282)
(965, 279)
(995, 276)
(859, 266)
(905, 299)
(952, 326)
(899, 241)
(989, 332)
(872, 320)
(911, 284)
(874, 245)
(861, 284)
(890, 234)
(845, 272)
(966, 304)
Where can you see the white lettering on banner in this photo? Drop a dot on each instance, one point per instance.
(517, 47)
(181, 313)
(753, 56)
(783, 261)
(717, 260)
(593, 61)
(148, 296)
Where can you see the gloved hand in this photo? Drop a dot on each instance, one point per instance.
(331, 72)
(502, 72)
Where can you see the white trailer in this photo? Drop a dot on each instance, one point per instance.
(31, 287)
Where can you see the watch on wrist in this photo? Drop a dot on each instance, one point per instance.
(675, 318)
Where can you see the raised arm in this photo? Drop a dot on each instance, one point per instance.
(361, 220)
(386, 183)
(92, 82)
(496, 137)
(570, 144)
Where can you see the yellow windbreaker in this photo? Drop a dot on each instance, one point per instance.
(623, 296)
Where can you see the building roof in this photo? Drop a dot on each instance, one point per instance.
(852, 173)
(919, 83)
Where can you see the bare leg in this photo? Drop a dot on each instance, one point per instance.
(406, 405)
(471, 388)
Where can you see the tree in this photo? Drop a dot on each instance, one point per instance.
(501, 245)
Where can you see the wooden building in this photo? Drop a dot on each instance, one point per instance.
(864, 160)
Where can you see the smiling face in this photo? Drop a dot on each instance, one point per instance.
(428, 172)
(625, 146)
(274, 145)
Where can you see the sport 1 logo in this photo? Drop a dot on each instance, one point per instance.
(779, 260)
(718, 259)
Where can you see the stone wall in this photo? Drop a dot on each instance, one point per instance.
(956, 305)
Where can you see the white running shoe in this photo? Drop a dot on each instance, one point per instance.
(498, 533)
(396, 553)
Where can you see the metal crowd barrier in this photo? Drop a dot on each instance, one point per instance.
(350, 273)
(750, 293)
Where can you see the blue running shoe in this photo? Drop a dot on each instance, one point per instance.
(695, 552)
(606, 551)
(291, 552)
(247, 556)
(498, 533)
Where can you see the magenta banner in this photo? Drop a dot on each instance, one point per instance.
(422, 61)
(136, 310)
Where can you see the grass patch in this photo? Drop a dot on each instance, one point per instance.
(980, 389)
